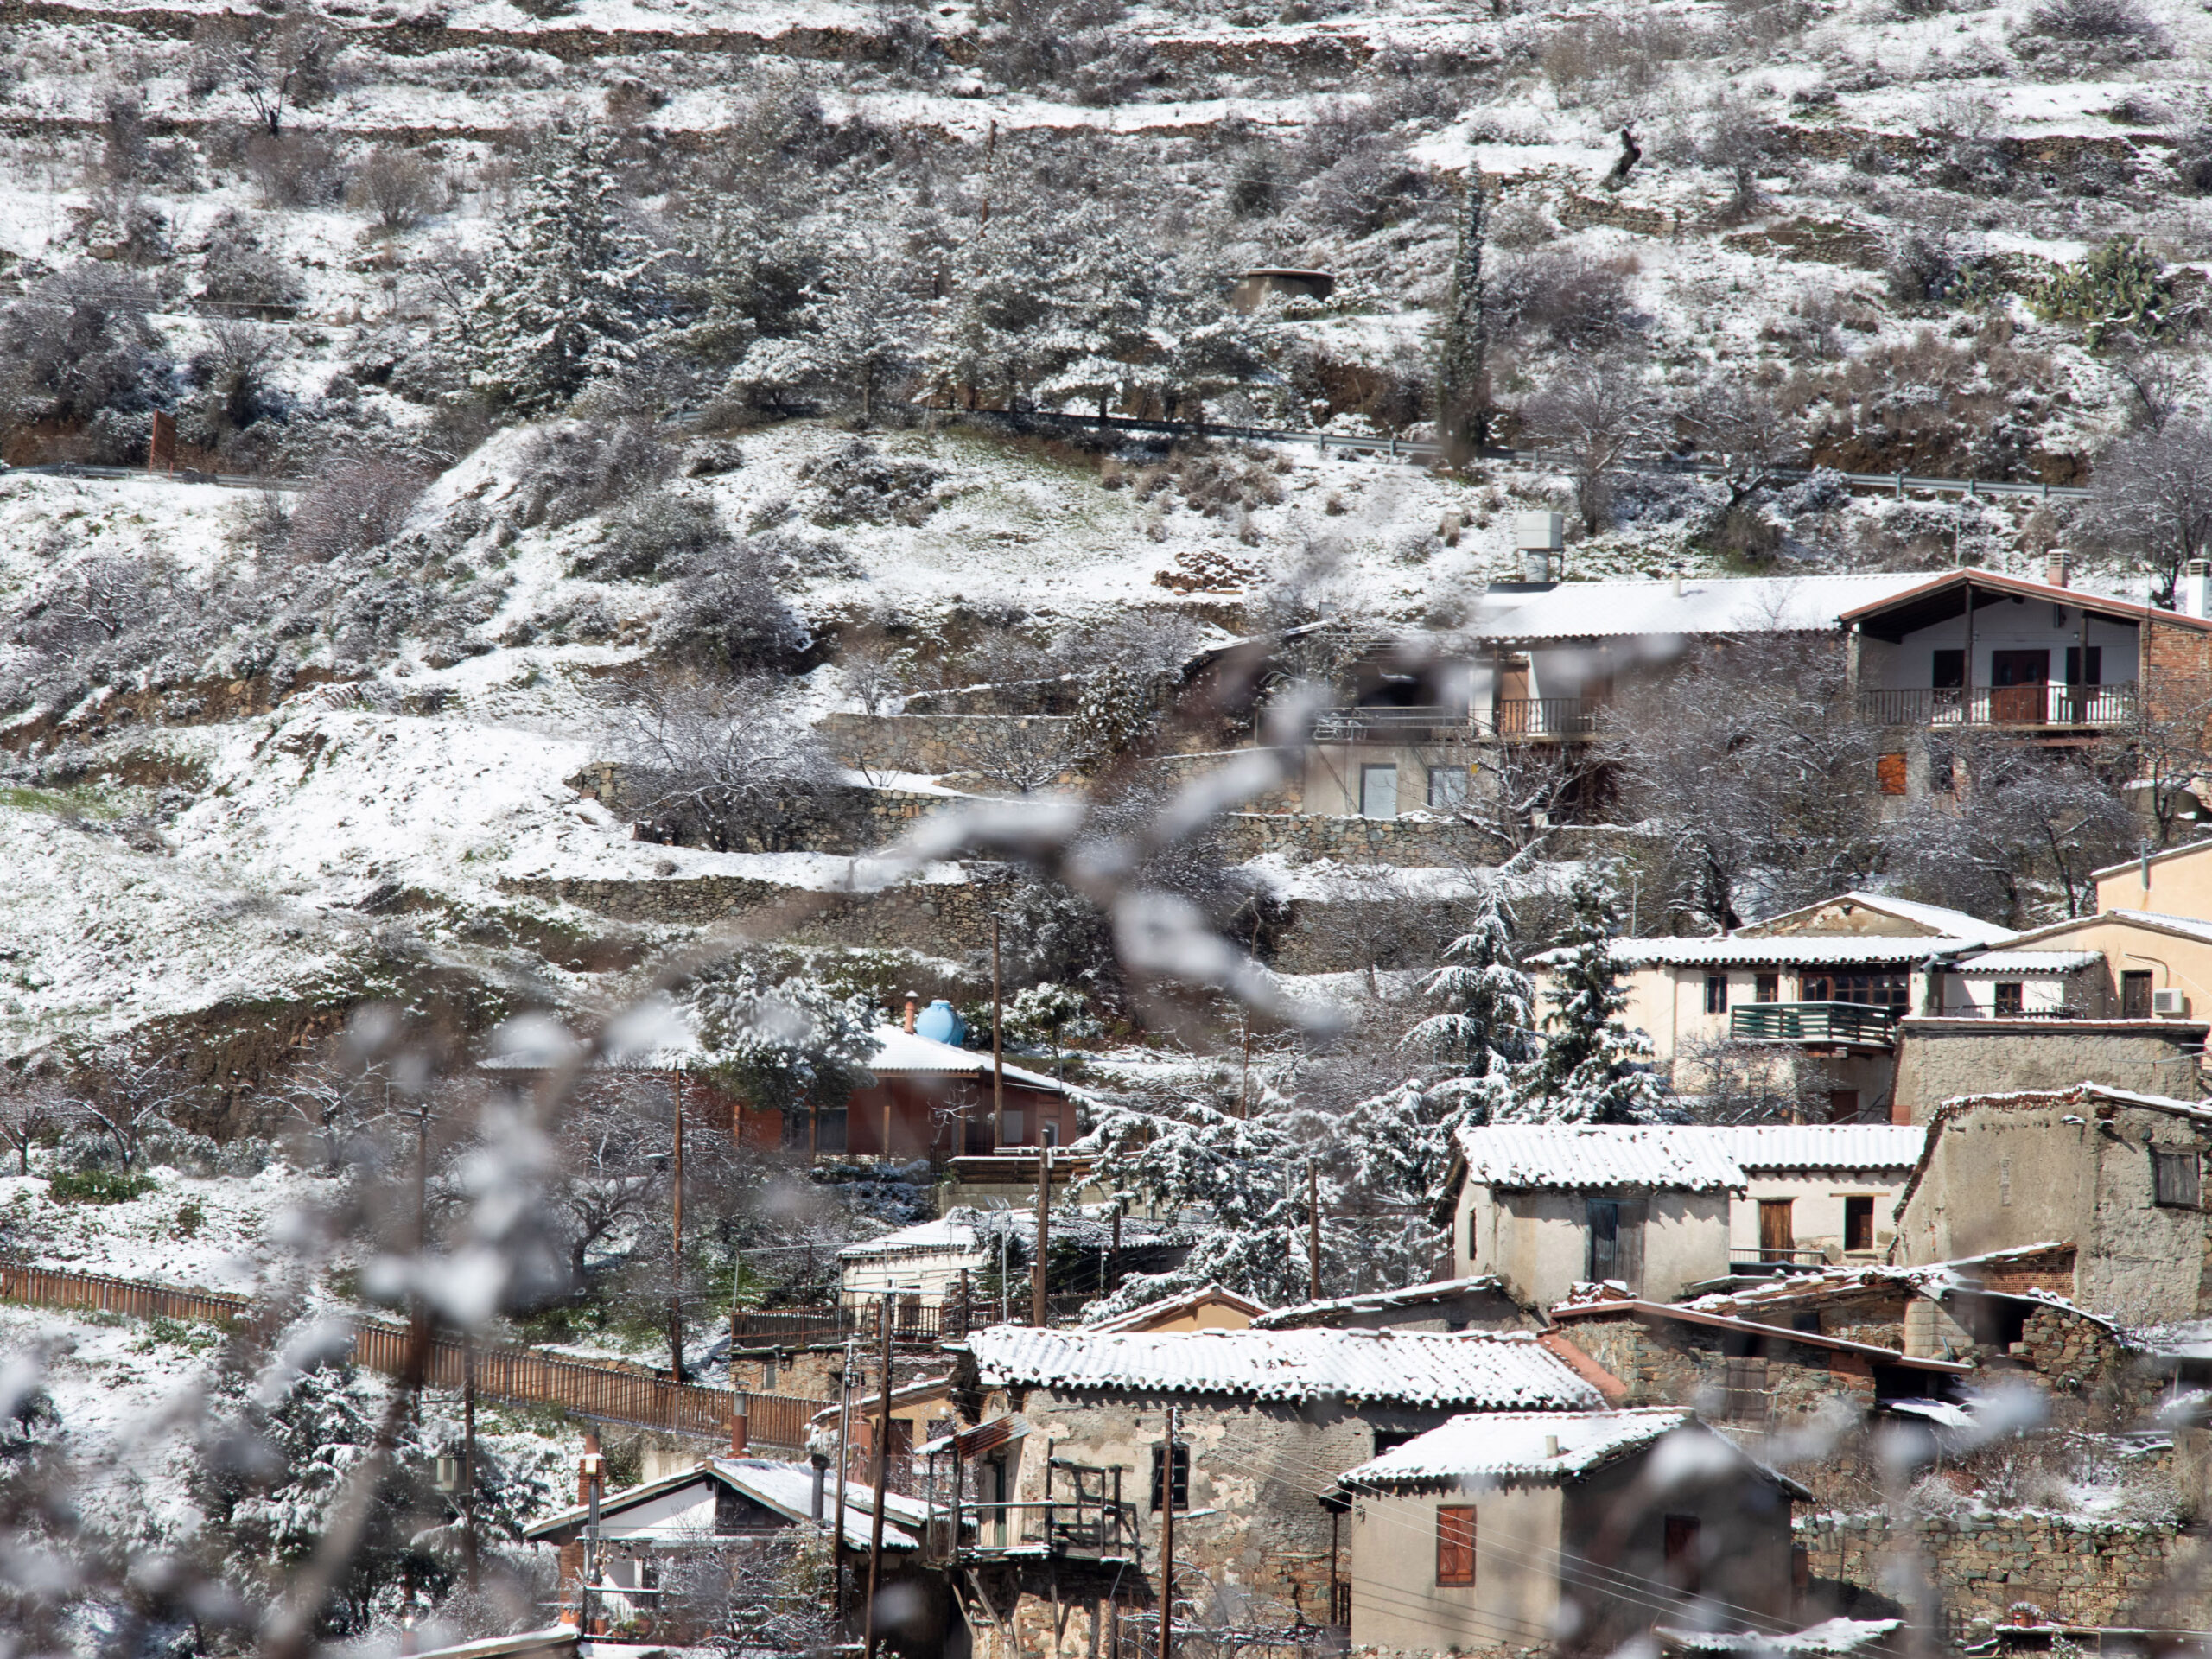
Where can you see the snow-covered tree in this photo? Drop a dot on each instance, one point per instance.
(1484, 1025)
(1592, 1068)
(567, 295)
(781, 1045)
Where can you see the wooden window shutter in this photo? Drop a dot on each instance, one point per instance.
(1455, 1543)
(1889, 774)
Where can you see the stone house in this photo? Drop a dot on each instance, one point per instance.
(2118, 1175)
(1497, 1533)
(1064, 1472)
(1544, 1207)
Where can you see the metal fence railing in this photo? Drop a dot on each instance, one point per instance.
(2051, 704)
(609, 1393)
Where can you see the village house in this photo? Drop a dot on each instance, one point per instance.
(1805, 1004)
(1661, 1210)
(616, 1549)
(1503, 1532)
(1542, 660)
(2118, 1175)
(1067, 1462)
(1210, 1307)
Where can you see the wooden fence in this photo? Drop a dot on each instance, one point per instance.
(613, 1394)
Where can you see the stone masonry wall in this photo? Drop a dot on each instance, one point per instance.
(2074, 1573)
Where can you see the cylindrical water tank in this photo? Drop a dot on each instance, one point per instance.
(940, 1024)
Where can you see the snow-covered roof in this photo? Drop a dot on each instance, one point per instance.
(1938, 919)
(1582, 610)
(785, 1488)
(909, 1053)
(1830, 1636)
(1676, 1157)
(1172, 1307)
(1842, 1283)
(940, 1236)
(1500, 1371)
(1822, 1146)
(1516, 1446)
(1378, 1302)
(2030, 963)
(1778, 950)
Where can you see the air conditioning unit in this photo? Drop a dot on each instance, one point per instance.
(2169, 1002)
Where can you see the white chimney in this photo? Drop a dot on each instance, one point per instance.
(1551, 1446)
(1537, 537)
(2055, 567)
(1678, 584)
(2194, 596)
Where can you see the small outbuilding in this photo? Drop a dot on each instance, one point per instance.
(1500, 1532)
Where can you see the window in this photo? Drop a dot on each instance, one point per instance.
(1859, 1223)
(2074, 674)
(1378, 791)
(1471, 1236)
(1869, 988)
(1050, 1134)
(2135, 993)
(1389, 1440)
(2175, 1180)
(1889, 773)
(1766, 987)
(1948, 670)
(2010, 997)
(1716, 993)
(1447, 787)
(1843, 1105)
(1455, 1543)
(1682, 1553)
(1182, 1479)
(1743, 1382)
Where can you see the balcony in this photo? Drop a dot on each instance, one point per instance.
(2019, 707)
(1823, 1025)
(1082, 1516)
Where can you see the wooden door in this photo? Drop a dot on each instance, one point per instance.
(1512, 716)
(2016, 686)
(1777, 1236)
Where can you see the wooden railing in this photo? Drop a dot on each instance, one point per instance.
(608, 1393)
(2001, 705)
(1859, 1023)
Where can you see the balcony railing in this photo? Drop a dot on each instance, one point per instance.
(1508, 719)
(2048, 705)
(1543, 717)
(1860, 1025)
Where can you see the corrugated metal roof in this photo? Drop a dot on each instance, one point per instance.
(1578, 610)
(2030, 961)
(1517, 1446)
(786, 1487)
(1376, 1301)
(923, 1238)
(1937, 919)
(1675, 1158)
(1822, 1146)
(1498, 1371)
(906, 1053)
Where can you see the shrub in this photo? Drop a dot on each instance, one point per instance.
(2120, 287)
(1572, 301)
(571, 470)
(297, 170)
(2094, 22)
(78, 343)
(397, 188)
(352, 506)
(727, 616)
(2192, 158)
(237, 269)
(652, 532)
(1373, 184)
(98, 1186)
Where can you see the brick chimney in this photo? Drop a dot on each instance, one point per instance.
(914, 1007)
(591, 1470)
(737, 1424)
(2055, 567)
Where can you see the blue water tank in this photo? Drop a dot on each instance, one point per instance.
(940, 1024)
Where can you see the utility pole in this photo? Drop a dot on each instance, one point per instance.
(1044, 1236)
(420, 1321)
(1167, 1536)
(882, 1474)
(676, 1239)
(468, 1454)
(844, 1440)
(1313, 1230)
(998, 1050)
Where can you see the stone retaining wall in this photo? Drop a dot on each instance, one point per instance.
(2076, 1573)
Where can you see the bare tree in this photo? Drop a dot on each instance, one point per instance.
(2166, 753)
(1520, 791)
(398, 189)
(729, 766)
(130, 1095)
(1597, 412)
(2152, 496)
(30, 1109)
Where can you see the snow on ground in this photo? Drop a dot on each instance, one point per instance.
(222, 1233)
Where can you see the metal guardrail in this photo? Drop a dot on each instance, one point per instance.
(1425, 449)
(520, 1376)
(1858, 1023)
(2050, 704)
(182, 475)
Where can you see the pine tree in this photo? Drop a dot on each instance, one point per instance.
(567, 297)
(783, 1046)
(1462, 392)
(1591, 1068)
(1485, 1027)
